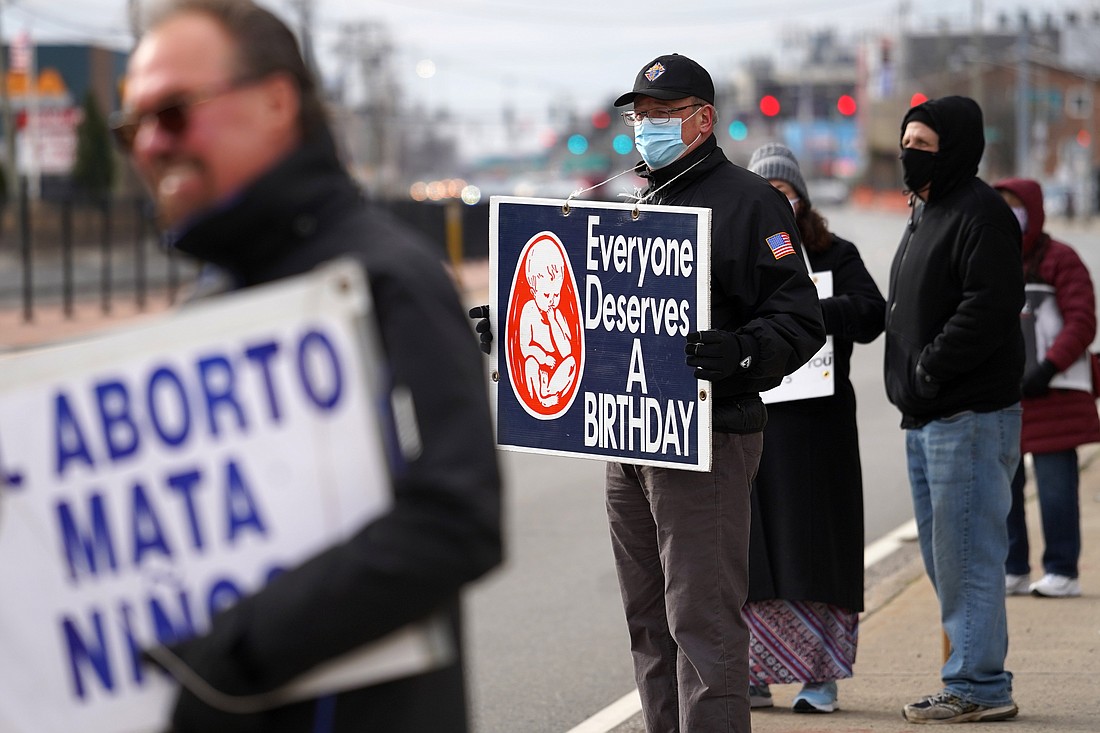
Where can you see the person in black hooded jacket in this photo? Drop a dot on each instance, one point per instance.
(953, 362)
(223, 123)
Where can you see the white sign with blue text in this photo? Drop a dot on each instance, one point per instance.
(815, 378)
(154, 475)
(590, 304)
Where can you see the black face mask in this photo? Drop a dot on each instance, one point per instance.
(917, 166)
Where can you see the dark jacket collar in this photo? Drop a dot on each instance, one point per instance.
(272, 215)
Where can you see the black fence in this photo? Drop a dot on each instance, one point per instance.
(58, 253)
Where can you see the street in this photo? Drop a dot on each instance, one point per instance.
(548, 646)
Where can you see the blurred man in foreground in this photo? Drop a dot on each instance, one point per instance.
(224, 124)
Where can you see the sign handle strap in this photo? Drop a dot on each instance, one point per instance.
(565, 207)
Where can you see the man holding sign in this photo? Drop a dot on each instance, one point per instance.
(681, 538)
(225, 126)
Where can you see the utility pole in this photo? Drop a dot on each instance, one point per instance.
(366, 46)
(977, 64)
(10, 173)
(305, 35)
(133, 10)
(1088, 206)
(1023, 94)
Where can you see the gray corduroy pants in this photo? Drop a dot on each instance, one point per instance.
(681, 544)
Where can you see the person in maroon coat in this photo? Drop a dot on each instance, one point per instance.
(1059, 408)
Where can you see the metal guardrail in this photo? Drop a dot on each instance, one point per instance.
(109, 250)
(71, 250)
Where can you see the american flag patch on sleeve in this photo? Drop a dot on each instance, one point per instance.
(780, 244)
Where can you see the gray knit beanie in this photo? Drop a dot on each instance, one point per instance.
(775, 160)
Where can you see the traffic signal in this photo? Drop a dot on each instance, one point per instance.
(918, 98)
(846, 105)
(738, 130)
(769, 105)
(577, 144)
(623, 144)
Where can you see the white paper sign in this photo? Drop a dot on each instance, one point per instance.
(815, 377)
(154, 475)
(1041, 321)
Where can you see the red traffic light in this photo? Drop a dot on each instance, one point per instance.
(846, 105)
(769, 106)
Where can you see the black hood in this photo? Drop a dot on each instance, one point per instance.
(958, 121)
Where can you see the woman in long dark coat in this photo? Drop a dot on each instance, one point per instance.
(806, 547)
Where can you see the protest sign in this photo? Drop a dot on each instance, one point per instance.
(155, 475)
(1041, 321)
(591, 303)
(815, 377)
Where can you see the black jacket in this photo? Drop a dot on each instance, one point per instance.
(769, 302)
(806, 534)
(443, 530)
(956, 286)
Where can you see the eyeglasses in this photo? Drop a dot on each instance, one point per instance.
(656, 116)
(173, 117)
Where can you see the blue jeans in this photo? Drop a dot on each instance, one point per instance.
(960, 472)
(1057, 482)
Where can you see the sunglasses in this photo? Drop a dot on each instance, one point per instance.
(173, 117)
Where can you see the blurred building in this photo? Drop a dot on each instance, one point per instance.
(46, 85)
(1034, 78)
(808, 99)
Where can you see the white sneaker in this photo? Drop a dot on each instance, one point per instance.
(816, 697)
(1017, 585)
(1056, 586)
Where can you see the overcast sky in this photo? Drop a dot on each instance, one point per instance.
(525, 54)
(479, 56)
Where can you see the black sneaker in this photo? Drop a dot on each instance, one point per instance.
(945, 707)
(760, 696)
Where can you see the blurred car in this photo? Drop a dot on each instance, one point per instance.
(1058, 199)
(828, 191)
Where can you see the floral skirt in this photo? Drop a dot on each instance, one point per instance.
(800, 641)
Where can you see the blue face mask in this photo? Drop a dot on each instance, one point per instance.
(661, 144)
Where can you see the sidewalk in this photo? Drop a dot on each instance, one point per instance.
(1054, 648)
(49, 322)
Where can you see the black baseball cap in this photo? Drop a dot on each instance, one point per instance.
(671, 76)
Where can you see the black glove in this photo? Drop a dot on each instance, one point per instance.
(483, 327)
(927, 386)
(1037, 380)
(714, 355)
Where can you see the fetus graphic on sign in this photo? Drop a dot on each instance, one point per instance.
(545, 341)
